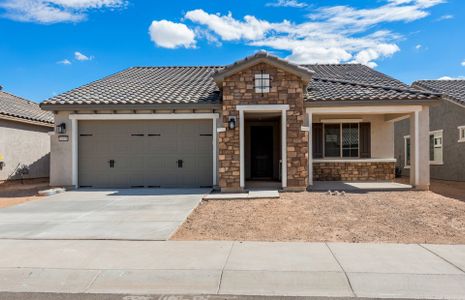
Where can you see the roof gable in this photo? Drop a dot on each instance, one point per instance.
(263, 57)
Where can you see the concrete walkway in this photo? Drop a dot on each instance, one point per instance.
(127, 214)
(234, 268)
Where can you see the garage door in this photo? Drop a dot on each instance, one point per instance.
(162, 153)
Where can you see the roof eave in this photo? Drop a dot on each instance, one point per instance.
(331, 103)
(67, 107)
(26, 121)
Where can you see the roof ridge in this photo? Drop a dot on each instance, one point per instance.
(373, 85)
(85, 85)
(20, 98)
(168, 67)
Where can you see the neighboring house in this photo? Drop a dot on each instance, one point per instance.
(233, 126)
(24, 138)
(447, 132)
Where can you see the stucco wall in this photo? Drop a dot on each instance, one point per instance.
(382, 133)
(447, 116)
(25, 145)
(61, 168)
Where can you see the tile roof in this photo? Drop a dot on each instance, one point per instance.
(454, 89)
(343, 90)
(147, 85)
(17, 107)
(196, 85)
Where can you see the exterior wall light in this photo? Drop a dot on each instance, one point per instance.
(61, 129)
(232, 122)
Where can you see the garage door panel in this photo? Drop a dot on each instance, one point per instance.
(145, 153)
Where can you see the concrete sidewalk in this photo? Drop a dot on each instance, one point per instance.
(233, 268)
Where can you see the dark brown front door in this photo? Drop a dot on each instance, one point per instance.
(262, 152)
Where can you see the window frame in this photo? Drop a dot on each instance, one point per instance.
(441, 145)
(461, 134)
(341, 148)
(262, 89)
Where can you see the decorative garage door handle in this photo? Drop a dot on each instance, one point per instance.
(112, 163)
(179, 162)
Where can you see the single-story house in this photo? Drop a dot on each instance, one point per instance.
(447, 132)
(24, 138)
(259, 120)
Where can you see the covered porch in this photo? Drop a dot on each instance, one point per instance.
(355, 144)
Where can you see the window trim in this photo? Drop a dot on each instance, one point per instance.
(340, 141)
(461, 134)
(406, 137)
(431, 162)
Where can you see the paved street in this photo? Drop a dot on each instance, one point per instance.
(133, 214)
(233, 268)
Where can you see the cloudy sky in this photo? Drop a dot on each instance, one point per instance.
(50, 46)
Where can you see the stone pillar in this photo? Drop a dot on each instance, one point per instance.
(419, 149)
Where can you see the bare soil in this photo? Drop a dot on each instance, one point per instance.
(17, 192)
(397, 217)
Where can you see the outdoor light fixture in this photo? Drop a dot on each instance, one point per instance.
(232, 122)
(61, 129)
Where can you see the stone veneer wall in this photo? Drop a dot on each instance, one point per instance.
(353, 171)
(286, 88)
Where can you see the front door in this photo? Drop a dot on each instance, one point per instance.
(262, 152)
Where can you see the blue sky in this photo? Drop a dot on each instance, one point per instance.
(50, 46)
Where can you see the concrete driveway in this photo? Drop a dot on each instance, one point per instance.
(134, 214)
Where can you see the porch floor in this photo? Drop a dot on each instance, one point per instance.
(361, 187)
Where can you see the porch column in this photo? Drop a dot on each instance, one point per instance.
(214, 148)
(74, 152)
(241, 151)
(310, 148)
(283, 149)
(419, 149)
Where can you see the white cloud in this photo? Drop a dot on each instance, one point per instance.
(445, 17)
(287, 3)
(418, 47)
(64, 62)
(171, 35)
(451, 78)
(331, 34)
(82, 57)
(463, 63)
(54, 11)
(228, 28)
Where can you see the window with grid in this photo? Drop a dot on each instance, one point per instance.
(341, 140)
(262, 83)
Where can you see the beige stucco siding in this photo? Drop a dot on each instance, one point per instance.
(382, 132)
(61, 169)
(25, 145)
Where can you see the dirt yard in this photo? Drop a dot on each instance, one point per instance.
(398, 217)
(15, 192)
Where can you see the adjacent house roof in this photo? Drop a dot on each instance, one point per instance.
(196, 86)
(453, 89)
(19, 109)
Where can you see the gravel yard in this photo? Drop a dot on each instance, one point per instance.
(398, 217)
(15, 192)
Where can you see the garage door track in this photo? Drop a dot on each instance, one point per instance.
(133, 214)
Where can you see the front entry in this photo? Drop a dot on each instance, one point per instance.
(261, 152)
